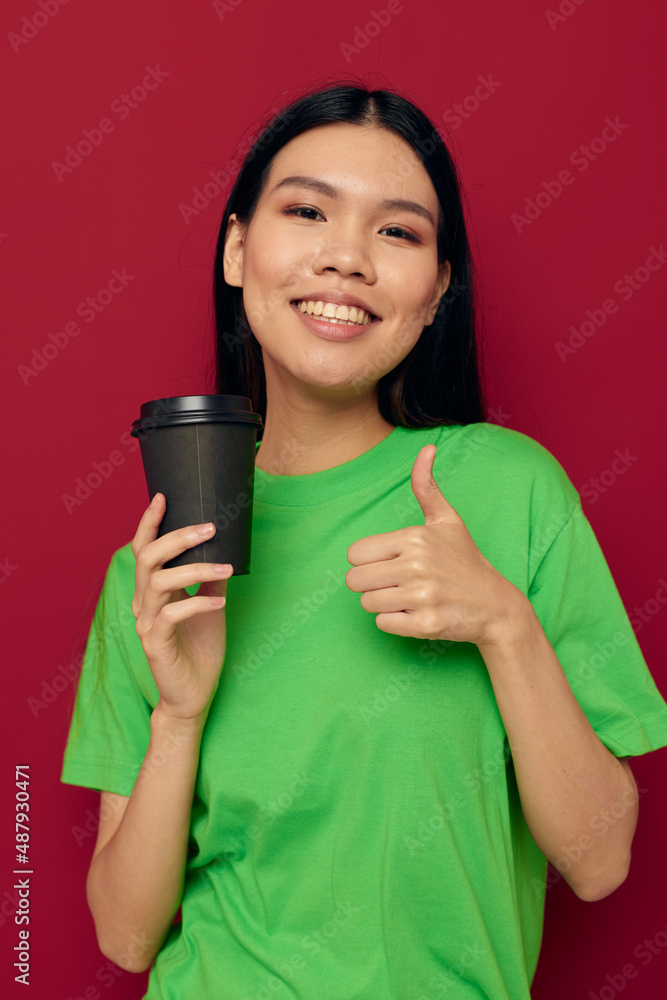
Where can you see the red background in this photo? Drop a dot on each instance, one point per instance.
(554, 84)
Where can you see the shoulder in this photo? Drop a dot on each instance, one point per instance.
(123, 558)
(508, 444)
(122, 562)
(498, 473)
(119, 579)
(497, 448)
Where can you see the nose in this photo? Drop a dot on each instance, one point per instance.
(345, 251)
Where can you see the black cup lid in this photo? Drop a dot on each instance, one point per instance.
(173, 411)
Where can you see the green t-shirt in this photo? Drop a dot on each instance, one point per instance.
(357, 830)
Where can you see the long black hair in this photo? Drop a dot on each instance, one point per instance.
(438, 382)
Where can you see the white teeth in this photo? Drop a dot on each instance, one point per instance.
(350, 315)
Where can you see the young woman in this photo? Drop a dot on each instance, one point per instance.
(350, 767)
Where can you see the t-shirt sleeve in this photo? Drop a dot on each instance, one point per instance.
(110, 728)
(577, 602)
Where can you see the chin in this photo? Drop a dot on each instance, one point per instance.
(320, 374)
(352, 384)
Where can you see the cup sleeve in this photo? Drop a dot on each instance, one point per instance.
(576, 600)
(110, 727)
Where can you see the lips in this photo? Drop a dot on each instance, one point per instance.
(332, 328)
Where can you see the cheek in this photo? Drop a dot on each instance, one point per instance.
(413, 312)
(270, 276)
(413, 283)
(423, 287)
(260, 294)
(420, 304)
(262, 304)
(414, 315)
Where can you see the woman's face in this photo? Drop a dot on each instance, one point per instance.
(345, 228)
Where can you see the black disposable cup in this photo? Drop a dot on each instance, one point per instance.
(200, 452)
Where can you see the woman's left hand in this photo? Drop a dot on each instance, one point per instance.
(431, 581)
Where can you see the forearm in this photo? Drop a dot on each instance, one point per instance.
(567, 779)
(135, 882)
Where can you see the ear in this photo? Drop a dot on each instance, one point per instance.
(232, 258)
(442, 284)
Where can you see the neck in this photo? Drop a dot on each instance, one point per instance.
(308, 434)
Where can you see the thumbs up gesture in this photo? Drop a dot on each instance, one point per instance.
(431, 581)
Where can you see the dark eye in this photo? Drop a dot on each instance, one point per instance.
(400, 233)
(303, 212)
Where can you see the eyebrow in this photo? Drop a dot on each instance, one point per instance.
(390, 204)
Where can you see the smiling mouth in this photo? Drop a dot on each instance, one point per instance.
(331, 313)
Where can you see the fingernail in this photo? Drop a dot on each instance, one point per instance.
(204, 529)
(223, 569)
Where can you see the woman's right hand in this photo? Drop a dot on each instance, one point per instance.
(183, 637)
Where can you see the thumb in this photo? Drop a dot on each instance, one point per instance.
(429, 495)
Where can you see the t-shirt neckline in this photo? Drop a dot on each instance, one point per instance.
(392, 457)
